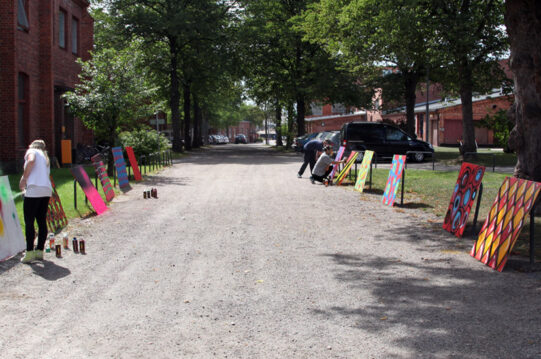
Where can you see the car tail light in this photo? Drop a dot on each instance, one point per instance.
(344, 143)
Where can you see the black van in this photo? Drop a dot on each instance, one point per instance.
(384, 139)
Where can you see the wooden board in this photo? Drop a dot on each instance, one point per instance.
(363, 172)
(464, 195)
(101, 171)
(120, 165)
(133, 164)
(11, 234)
(504, 221)
(56, 218)
(88, 188)
(351, 160)
(393, 181)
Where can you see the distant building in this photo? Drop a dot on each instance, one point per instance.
(245, 128)
(39, 43)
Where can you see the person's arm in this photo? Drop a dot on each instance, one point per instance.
(28, 165)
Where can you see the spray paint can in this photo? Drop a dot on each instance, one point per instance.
(65, 241)
(148, 194)
(47, 248)
(75, 245)
(58, 249)
(51, 240)
(82, 246)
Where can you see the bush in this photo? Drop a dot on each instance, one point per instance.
(144, 141)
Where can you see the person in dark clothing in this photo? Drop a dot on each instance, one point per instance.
(312, 150)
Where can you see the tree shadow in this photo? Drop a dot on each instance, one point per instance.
(440, 308)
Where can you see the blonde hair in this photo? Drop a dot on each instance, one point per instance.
(40, 145)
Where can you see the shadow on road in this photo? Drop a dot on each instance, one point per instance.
(49, 270)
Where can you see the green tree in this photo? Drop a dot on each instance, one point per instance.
(113, 92)
(371, 35)
(471, 39)
(284, 68)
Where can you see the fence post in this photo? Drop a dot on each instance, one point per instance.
(75, 194)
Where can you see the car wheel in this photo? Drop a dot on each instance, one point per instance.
(419, 157)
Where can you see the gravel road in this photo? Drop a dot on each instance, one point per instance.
(238, 258)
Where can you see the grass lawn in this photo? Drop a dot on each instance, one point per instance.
(431, 191)
(64, 183)
(484, 156)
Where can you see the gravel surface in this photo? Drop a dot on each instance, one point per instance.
(238, 258)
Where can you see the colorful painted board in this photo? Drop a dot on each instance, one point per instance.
(395, 176)
(351, 160)
(339, 155)
(133, 163)
(464, 195)
(88, 188)
(363, 173)
(120, 165)
(504, 221)
(11, 234)
(56, 218)
(101, 171)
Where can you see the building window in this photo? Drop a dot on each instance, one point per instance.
(22, 17)
(22, 108)
(74, 36)
(316, 109)
(62, 29)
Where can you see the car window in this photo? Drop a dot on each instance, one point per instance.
(366, 133)
(394, 134)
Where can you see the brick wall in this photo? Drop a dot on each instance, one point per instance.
(35, 52)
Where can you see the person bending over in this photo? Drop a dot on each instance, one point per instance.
(324, 166)
(312, 150)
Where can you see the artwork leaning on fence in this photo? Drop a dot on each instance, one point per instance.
(120, 165)
(393, 181)
(338, 157)
(464, 195)
(11, 234)
(101, 171)
(56, 218)
(351, 160)
(133, 163)
(363, 172)
(505, 221)
(90, 191)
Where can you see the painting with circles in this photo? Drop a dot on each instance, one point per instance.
(464, 195)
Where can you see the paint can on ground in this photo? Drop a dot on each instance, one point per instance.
(144, 194)
(82, 248)
(75, 245)
(58, 250)
(65, 241)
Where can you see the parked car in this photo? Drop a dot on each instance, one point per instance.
(384, 139)
(299, 142)
(240, 138)
(334, 137)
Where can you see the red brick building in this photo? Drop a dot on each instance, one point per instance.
(39, 43)
(245, 128)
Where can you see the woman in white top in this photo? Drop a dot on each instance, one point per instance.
(37, 189)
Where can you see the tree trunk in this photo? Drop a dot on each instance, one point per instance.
(197, 120)
(290, 122)
(187, 118)
(174, 96)
(278, 123)
(301, 111)
(410, 83)
(466, 93)
(523, 22)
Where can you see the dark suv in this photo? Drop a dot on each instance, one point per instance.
(384, 139)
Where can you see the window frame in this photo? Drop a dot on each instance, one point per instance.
(64, 28)
(75, 27)
(20, 26)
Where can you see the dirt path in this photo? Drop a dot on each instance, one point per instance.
(240, 259)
